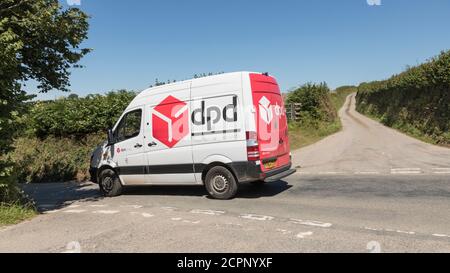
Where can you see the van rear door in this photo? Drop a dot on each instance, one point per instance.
(271, 122)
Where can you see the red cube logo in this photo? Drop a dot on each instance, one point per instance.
(170, 121)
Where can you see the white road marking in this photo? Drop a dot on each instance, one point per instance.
(207, 212)
(311, 223)
(441, 170)
(97, 206)
(132, 206)
(406, 171)
(390, 230)
(373, 229)
(191, 222)
(51, 211)
(256, 217)
(331, 172)
(75, 211)
(302, 235)
(106, 211)
(367, 172)
(73, 206)
(184, 220)
(441, 235)
(284, 231)
(169, 208)
(233, 224)
(405, 232)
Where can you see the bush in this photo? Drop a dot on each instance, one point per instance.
(315, 103)
(10, 193)
(416, 101)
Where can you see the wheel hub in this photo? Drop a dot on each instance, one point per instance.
(220, 183)
(107, 183)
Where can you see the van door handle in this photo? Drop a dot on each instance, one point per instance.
(137, 145)
(152, 144)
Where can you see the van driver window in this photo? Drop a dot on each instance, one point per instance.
(129, 126)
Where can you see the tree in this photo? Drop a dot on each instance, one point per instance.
(39, 40)
(72, 96)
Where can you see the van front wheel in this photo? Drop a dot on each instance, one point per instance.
(220, 183)
(109, 183)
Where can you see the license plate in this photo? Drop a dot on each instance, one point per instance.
(270, 165)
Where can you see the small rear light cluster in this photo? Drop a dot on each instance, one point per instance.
(252, 146)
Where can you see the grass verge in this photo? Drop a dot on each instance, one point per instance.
(306, 133)
(11, 214)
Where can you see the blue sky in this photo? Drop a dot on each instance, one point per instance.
(340, 42)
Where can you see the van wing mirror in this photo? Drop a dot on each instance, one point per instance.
(111, 139)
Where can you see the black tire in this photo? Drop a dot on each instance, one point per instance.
(258, 183)
(109, 183)
(220, 183)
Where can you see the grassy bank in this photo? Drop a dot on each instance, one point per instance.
(308, 131)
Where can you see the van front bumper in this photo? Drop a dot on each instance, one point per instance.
(250, 171)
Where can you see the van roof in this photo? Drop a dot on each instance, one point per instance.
(212, 78)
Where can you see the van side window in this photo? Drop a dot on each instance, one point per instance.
(129, 126)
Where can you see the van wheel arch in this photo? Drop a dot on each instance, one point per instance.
(105, 167)
(215, 164)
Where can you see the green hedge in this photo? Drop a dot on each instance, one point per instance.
(76, 117)
(57, 137)
(54, 159)
(416, 101)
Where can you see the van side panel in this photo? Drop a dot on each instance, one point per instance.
(217, 122)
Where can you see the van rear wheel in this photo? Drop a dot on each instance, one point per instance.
(109, 183)
(220, 183)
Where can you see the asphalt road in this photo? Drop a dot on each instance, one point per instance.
(365, 189)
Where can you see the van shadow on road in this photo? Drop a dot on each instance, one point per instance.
(245, 190)
(51, 196)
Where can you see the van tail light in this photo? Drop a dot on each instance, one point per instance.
(252, 146)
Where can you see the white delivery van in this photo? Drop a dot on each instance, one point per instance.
(216, 131)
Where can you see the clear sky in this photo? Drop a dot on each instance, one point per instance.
(340, 42)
